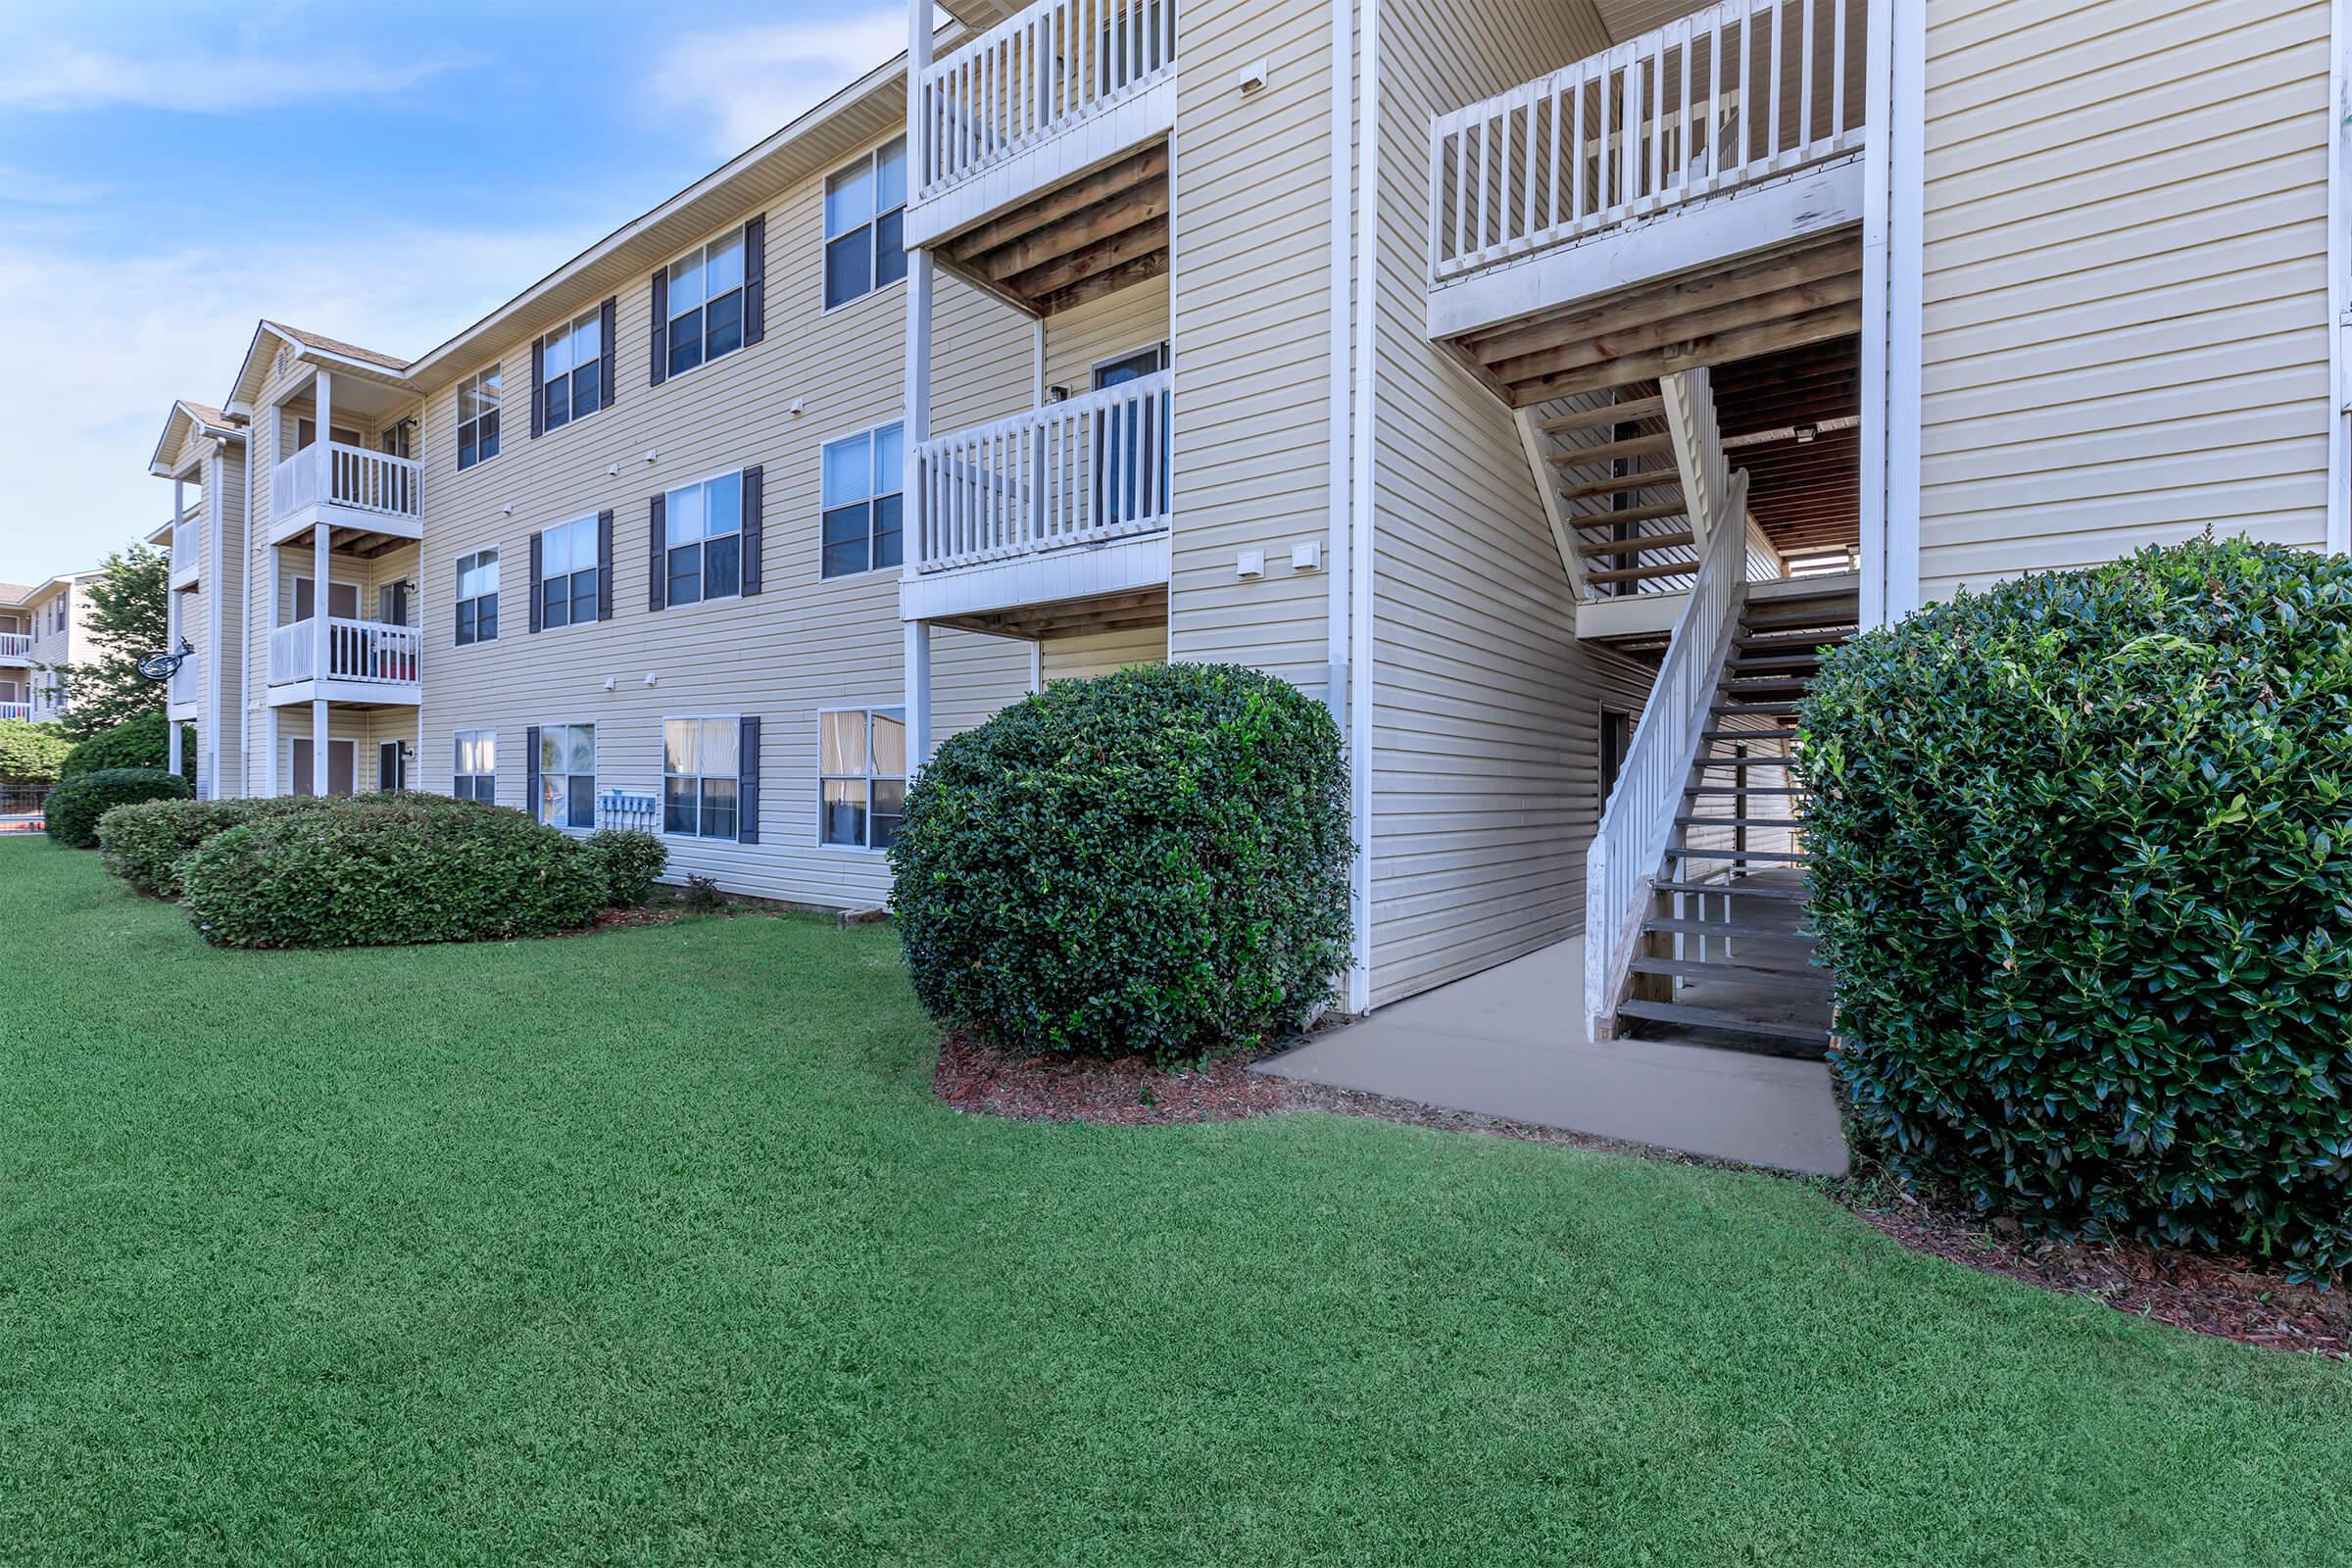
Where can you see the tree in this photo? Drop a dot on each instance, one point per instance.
(31, 756)
(129, 618)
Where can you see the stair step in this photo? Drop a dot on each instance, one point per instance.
(1745, 735)
(1640, 446)
(1745, 789)
(1842, 619)
(1775, 661)
(1794, 639)
(1615, 413)
(1635, 545)
(1684, 852)
(1712, 1018)
(1724, 928)
(1766, 683)
(1610, 519)
(1738, 761)
(1670, 569)
(1753, 708)
(1790, 822)
(1624, 484)
(1811, 980)
(1737, 889)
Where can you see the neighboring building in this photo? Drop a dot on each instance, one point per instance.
(1466, 363)
(41, 627)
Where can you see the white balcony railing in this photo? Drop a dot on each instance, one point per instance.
(185, 684)
(186, 540)
(372, 652)
(1725, 97)
(16, 645)
(1081, 472)
(360, 480)
(1055, 65)
(15, 711)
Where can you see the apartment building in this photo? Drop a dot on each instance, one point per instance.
(1540, 383)
(42, 625)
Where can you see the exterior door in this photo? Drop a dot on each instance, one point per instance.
(342, 600)
(342, 766)
(1131, 443)
(391, 765)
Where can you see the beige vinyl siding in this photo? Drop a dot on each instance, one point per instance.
(804, 645)
(2126, 248)
(1250, 297)
(1101, 653)
(1486, 765)
(1106, 329)
(225, 734)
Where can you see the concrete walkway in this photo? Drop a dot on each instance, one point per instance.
(1509, 1042)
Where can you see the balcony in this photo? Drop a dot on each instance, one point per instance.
(183, 695)
(364, 492)
(187, 551)
(1040, 156)
(1060, 502)
(1726, 145)
(15, 711)
(368, 664)
(15, 648)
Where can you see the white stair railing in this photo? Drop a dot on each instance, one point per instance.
(1637, 823)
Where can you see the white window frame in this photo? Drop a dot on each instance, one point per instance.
(566, 333)
(874, 494)
(457, 763)
(570, 591)
(479, 384)
(700, 256)
(872, 160)
(872, 711)
(734, 723)
(670, 541)
(460, 598)
(595, 763)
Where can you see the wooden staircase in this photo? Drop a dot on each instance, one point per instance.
(1613, 491)
(1723, 953)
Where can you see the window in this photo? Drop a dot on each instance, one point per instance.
(865, 209)
(474, 773)
(478, 597)
(703, 535)
(862, 787)
(1616, 739)
(568, 559)
(706, 303)
(862, 505)
(477, 418)
(567, 775)
(58, 624)
(701, 765)
(573, 362)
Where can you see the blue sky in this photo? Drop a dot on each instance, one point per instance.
(170, 174)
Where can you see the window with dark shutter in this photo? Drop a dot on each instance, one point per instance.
(538, 393)
(755, 279)
(703, 302)
(755, 496)
(747, 790)
(658, 568)
(604, 565)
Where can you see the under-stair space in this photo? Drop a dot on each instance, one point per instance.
(1723, 951)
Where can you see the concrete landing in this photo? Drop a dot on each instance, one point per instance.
(1509, 1042)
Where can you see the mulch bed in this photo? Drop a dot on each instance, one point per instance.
(2184, 1290)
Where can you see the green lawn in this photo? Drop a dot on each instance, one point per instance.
(654, 1247)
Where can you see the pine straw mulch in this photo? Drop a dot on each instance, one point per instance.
(2204, 1295)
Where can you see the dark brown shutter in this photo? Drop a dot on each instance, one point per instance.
(755, 491)
(755, 280)
(604, 565)
(658, 574)
(538, 393)
(608, 317)
(531, 766)
(531, 588)
(747, 787)
(660, 371)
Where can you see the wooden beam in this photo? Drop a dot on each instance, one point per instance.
(1098, 257)
(1640, 446)
(1728, 315)
(1608, 519)
(1142, 270)
(1814, 326)
(1659, 302)
(1054, 241)
(1623, 484)
(1628, 413)
(1078, 195)
(1635, 545)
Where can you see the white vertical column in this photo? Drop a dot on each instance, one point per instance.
(319, 596)
(322, 409)
(171, 621)
(276, 748)
(918, 695)
(319, 745)
(915, 398)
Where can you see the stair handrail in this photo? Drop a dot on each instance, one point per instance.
(1636, 825)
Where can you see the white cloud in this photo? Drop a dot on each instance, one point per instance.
(747, 82)
(99, 345)
(36, 188)
(70, 77)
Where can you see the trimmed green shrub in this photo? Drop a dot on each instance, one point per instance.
(2083, 862)
(141, 742)
(633, 863)
(80, 800)
(144, 844)
(377, 870)
(31, 756)
(1152, 862)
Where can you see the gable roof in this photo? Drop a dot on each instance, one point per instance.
(337, 347)
(189, 422)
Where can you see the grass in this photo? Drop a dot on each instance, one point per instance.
(654, 1247)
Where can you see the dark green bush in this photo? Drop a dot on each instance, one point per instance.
(2083, 860)
(1150, 862)
(141, 742)
(388, 869)
(633, 863)
(80, 799)
(144, 844)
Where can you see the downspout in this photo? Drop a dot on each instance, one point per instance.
(245, 630)
(1360, 522)
(1338, 686)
